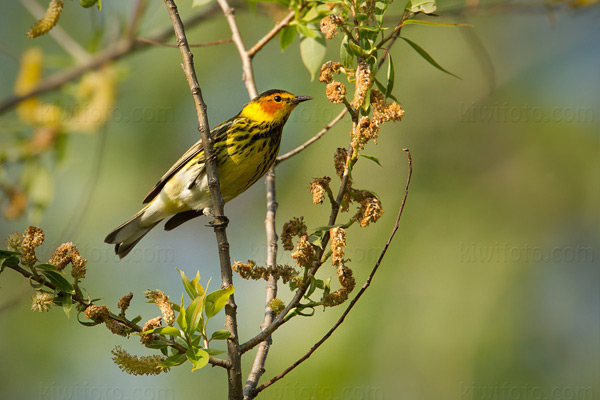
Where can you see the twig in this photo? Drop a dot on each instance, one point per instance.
(154, 42)
(138, 9)
(313, 139)
(248, 73)
(269, 36)
(271, 291)
(220, 223)
(212, 360)
(120, 49)
(358, 295)
(58, 34)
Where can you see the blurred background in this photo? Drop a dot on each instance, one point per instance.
(491, 289)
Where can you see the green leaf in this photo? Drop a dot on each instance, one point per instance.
(345, 56)
(58, 280)
(194, 314)
(198, 358)
(356, 50)
(9, 261)
(181, 317)
(8, 253)
(306, 31)
(189, 287)
(87, 3)
(312, 51)
(287, 36)
(99, 5)
(220, 335)
(380, 7)
(214, 352)
(424, 6)
(165, 331)
(196, 284)
(136, 319)
(200, 3)
(216, 300)
(372, 158)
(174, 360)
(67, 304)
(427, 57)
(84, 323)
(312, 287)
(390, 77)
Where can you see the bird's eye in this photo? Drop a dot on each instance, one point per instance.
(277, 99)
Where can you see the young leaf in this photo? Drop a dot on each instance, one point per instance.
(424, 6)
(136, 319)
(198, 358)
(67, 304)
(345, 56)
(220, 335)
(372, 158)
(199, 3)
(189, 288)
(194, 314)
(58, 280)
(214, 352)
(174, 360)
(216, 300)
(181, 317)
(196, 283)
(427, 57)
(287, 36)
(312, 51)
(390, 77)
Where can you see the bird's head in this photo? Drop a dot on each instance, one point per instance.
(272, 106)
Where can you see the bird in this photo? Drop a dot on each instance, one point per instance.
(245, 147)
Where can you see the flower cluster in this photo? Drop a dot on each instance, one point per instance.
(150, 324)
(48, 20)
(162, 301)
(41, 301)
(338, 242)
(250, 270)
(292, 228)
(347, 283)
(32, 238)
(124, 303)
(363, 84)
(319, 187)
(305, 252)
(67, 253)
(134, 365)
(329, 26)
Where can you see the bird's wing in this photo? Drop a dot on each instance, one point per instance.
(192, 152)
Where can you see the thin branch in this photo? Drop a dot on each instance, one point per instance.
(313, 139)
(155, 43)
(120, 49)
(269, 36)
(358, 295)
(220, 223)
(248, 73)
(138, 9)
(258, 366)
(58, 34)
(134, 327)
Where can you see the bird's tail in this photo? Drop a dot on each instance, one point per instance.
(126, 236)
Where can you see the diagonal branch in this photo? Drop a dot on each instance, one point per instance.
(313, 139)
(220, 223)
(358, 295)
(269, 36)
(248, 73)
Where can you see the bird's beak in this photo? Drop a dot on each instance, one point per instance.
(300, 99)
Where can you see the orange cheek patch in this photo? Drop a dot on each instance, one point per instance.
(270, 107)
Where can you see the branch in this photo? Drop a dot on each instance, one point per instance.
(212, 360)
(154, 42)
(248, 73)
(120, 49)
(220, 223)
(313, 139)
(258, 366)
(269, 36)
(358, 295)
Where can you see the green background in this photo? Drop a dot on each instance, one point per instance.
(491, 289)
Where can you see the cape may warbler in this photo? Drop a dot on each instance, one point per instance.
(245, 147)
